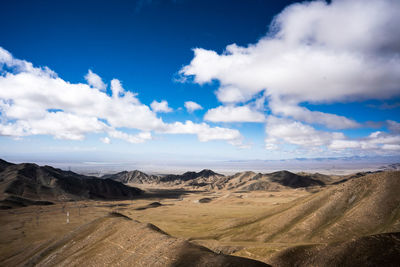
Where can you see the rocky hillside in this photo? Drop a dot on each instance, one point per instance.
(197, 177)
(135, 177)
(251, 181)
(358, 207)
(243, 181)
(117, 240)
(33, 182)
(374, 250)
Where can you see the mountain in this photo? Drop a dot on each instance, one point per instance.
(136, 177)
(251, 181)
(195, 179)
(33, 182)
(117, 240)
(4, 164)
(358, 207)
(374, 250)
(293, 180)
(394, 166)
(204, 176)
(208, 179)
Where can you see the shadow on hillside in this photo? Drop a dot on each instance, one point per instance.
(166, 193)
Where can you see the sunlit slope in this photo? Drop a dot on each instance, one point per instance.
(276, 181)
(116, 240)
(361, 206)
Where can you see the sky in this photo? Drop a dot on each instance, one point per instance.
(199, 81)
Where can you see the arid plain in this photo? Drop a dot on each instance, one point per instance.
(198, 219)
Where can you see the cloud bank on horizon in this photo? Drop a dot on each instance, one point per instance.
(314, 52)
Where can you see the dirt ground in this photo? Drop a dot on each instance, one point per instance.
(180, 214)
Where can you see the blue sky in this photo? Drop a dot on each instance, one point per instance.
(85, 80)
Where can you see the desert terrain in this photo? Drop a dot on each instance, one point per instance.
(198, 219)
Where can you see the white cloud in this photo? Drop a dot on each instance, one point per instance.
(377, 142)
(205, 132)
(344, 144)
(35, 101)
(58, 124)
(393, 126)
(192, 106)
(296, 133)
(116, 88)
(394, 147)
(95, 80)
(105, 140)
(160, 106)
(332, 121)
(234, 114)
(315, 52)
(134, 139)
(5, 57)
(21, 65)
(230, 94)
(280, 131)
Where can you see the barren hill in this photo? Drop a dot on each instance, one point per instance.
(251, 181)
(194, 179)
(210, 180)
(204, 174)
(135, 177)
(35, 182)
(374, 250)
(117, 240)
(293, 180)
(358, 207)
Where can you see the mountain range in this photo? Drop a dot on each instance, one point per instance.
(23, 184)
(207, 179)
(351, 220)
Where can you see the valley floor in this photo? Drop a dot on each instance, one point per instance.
(269, 226)
(181, 214)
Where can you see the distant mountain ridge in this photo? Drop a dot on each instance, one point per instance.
(290, 179)
(205, 174)
(251, 181)
(35, 182)
(208, 179)
(135, 176)
(191, 178)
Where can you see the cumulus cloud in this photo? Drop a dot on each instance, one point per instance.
(160, 106)
(35, 101)
(281, 131)
(234, 114)
(116, 88)
(332, 121)
(393, 126)
(134, 139)
(95, 80)
(376, 142)
(314, 53)
(105, 140)
(192, 106)
(205, 132)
